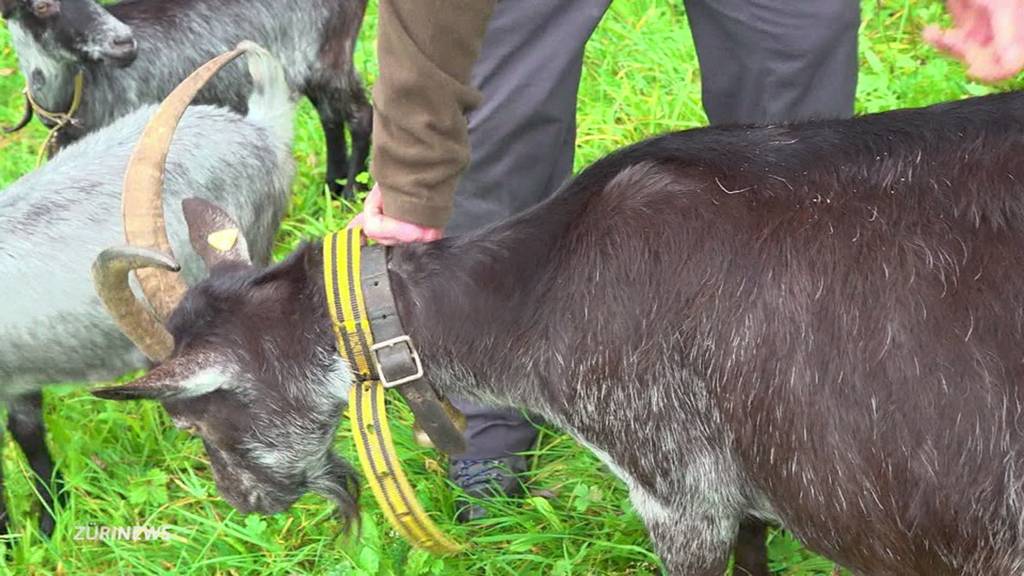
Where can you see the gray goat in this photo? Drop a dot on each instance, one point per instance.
(55, 220)
(819, 324)
(134, 53)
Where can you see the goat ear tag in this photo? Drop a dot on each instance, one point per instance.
(223, 240)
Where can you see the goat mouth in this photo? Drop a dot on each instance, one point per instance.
(121, 59)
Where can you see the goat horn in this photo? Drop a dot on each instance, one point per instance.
(142, 204)
(137, 322)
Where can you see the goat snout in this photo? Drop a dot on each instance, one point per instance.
(121, 49)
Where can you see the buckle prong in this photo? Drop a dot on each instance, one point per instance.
(403, 339)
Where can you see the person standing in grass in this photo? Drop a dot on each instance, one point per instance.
(475, 120)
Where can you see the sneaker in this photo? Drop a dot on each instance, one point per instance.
(483, 479)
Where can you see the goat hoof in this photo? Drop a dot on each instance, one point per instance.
(346, 192)
(338, 189)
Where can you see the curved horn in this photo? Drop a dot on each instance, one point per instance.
(141, 326)
(26, 117)
(142, 205)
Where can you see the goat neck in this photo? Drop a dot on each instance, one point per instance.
(464, 299)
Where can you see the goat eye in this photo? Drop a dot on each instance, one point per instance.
(45, 8)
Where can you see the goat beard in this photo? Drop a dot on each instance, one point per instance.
(338, 481)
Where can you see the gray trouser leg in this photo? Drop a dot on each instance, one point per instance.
(776, 60)
(521, 147)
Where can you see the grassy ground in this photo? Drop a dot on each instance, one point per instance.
(125, 465)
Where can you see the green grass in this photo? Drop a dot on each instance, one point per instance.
(125, 465)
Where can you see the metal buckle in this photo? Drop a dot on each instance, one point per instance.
(404, 338)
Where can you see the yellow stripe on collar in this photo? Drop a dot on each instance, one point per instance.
(370, 429)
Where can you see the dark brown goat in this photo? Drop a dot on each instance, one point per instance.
(820, 325)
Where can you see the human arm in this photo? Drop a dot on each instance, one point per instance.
(987, 34)
(426, 50)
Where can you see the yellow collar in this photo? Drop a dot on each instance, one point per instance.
(354, 332)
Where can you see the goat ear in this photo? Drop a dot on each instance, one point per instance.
(183, 377)
(214, 234)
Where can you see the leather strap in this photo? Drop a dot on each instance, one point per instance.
(400, 360)
(363, 310)
(56, 120)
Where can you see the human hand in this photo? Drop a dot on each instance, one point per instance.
(988, 35)
(387, 230)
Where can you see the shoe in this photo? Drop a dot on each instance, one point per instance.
(484, 479)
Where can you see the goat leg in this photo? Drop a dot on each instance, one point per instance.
(337, 159)
(25, 421)
(751, 549)
(688, 544)
(25, 119)
(327, 102)
(359, 119)
(340, 105)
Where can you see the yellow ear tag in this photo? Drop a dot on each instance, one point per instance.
(223, 240)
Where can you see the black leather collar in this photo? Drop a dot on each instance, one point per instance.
(396, 359)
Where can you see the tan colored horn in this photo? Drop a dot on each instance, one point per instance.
(142, 204)
(137, 322)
